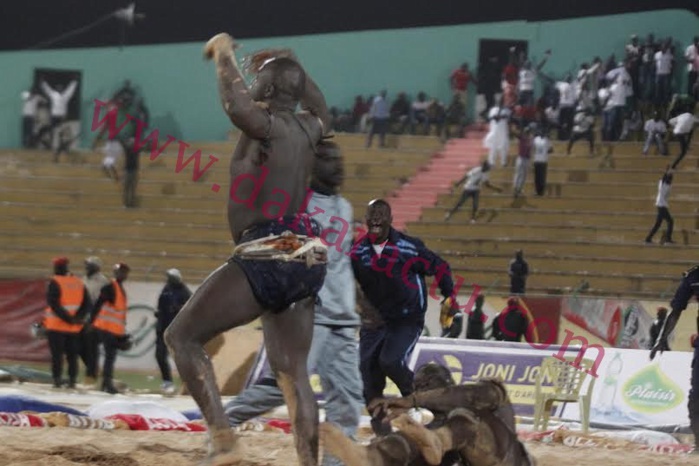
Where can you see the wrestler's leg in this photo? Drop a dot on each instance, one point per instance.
(392, 450)
(222, 302)
(460, 430)
(288, 335)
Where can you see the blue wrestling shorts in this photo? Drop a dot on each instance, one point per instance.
(277, 284)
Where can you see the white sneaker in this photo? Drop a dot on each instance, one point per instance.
(168, 388)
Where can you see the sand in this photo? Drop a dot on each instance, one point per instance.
(67, 446)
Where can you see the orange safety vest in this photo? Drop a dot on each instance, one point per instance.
(112, 317)
(72, 295)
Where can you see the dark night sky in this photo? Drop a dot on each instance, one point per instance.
(25, 23)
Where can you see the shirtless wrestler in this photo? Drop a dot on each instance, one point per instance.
(474, 424)
(278, 265)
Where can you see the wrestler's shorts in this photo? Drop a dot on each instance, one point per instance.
(277, 284)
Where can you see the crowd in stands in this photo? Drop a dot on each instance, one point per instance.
(44, 116)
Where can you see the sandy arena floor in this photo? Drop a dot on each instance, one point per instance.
(58, 446)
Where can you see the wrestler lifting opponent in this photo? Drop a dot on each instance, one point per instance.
(278, 265)
(473, 424)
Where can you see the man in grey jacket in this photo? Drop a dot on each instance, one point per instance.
(334, 351)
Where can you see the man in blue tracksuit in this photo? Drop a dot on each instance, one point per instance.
(390, 268)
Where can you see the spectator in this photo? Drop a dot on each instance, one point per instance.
(633, 58)
(173, 296)
(664, 186)
(518, 272)
(647, 75)
(472, 189)
(108, 318)
(126, 138)
(658, 323)
(59, 98)
(113, 149)
(664, 61)
(524, 154)
(418, 113)
(683, 128)
(586, 84)
(379, 268)
(511, 324)
(632, 125)
(476, 321)
(400, 112)
(617, 102)
(125, 92)
(436, 115)
(551, 116)
(691, 54)
(655, 129)
(527, 80)
(566, 105)
(583, 128)
(542, 149)
(67, 303)
(94, 281)
(455, 115)
(31, 101)
(497, 141)
(379, 117)
(459, 80)
(510, 78)
(359, 112)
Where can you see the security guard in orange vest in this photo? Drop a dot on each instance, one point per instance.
(67, 303)
(108, 318)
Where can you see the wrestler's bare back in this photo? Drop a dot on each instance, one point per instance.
(269, 182)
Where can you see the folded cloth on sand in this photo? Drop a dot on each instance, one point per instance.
(137, 422)
(19, 403)
(278, 259)
(82, 422)
(21, 420)
(147, 409)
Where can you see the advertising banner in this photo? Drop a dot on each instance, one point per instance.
(517, 364)
(619, 323)
(22, 302)
(632, 390)
(593, 315)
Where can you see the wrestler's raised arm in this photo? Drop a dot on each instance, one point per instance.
(481, 395)
(244, 113)
(313, 99)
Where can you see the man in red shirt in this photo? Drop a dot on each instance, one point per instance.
(459, 81)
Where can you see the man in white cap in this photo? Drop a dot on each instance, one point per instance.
(94, 281)
(174, 295)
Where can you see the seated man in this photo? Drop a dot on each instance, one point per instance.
(473, 423)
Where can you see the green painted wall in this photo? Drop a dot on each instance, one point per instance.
(181, 92)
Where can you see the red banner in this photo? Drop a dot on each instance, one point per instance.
(545, 312)
(22, 303)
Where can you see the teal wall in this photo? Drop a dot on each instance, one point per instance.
(181, 92)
